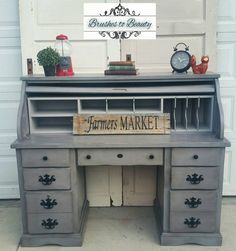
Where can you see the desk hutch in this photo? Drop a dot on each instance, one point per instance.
(52, 161)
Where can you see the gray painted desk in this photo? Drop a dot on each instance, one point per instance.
(52, 161)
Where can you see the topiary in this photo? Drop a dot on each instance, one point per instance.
(48, 56)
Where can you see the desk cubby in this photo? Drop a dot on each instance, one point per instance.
(55, 114)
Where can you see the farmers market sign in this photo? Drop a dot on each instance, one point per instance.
(121, 124)
(119, 21)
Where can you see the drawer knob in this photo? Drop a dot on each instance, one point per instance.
(195, 179)
(119, 155)
(195, 156)
(49, 223)
(192, 222)
(193, 202)
(47, 179)
(48, 203)
(151, 156)
(88, 157)
(45, 158)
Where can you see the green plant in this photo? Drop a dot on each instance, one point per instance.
(48, 56)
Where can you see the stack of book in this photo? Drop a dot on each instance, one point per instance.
(121, 68)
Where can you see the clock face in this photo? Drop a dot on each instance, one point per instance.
(180, 61)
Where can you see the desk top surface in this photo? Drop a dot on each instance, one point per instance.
(125, 78)
(120, 141)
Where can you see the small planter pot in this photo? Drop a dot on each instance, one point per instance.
(49, 70)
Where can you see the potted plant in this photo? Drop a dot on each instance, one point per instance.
(48, 58)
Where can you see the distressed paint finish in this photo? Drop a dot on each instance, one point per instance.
(183, 161)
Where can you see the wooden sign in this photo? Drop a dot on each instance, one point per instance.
(84, 124)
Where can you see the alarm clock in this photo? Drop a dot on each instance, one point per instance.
(181, 59)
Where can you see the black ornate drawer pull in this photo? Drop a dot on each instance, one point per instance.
(88, 156)
(193, 202)
(47, 179)
(192, 222)
(49, 223)
(119, 155)
(45, 158)
(151, 156)
(195, 156)
(48, 203)
(195, 179)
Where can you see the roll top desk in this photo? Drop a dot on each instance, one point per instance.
(51, 160)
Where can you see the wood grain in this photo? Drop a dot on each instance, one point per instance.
(88, 124)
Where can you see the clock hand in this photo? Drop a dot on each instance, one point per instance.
(182, 60)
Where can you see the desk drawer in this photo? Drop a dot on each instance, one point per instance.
(45, 158)
(50, 223)
(93, 157)
(193, 201)
(196, 156)
(187, 222)
(49, 202)
(194, 177)
(46, 178)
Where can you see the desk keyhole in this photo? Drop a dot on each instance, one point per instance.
(88, 156)
(119, 155)
(45, 158)
(195, 156)
(151, 156)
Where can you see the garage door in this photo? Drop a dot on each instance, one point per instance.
(10, 71)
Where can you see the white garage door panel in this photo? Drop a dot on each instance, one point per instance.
(9, 42)
(8, 110)
(10, 61)
(5, 139)
(8, 171)
(9, 12)
(226, 64)
(229, 108)
(229, 105)
(5, 150)
(8, 174)
(10, 87)
(8, 96)
(230, 171)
